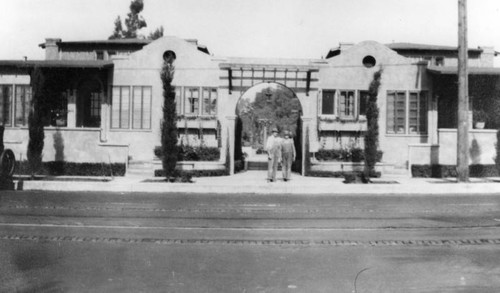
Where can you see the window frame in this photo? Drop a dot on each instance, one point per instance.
(421, 128)
(120, 127)
(132, 103)
(10, 104)
(342, 115)
(27, 91)
(333, 92)
(210, 91)
(196, 110)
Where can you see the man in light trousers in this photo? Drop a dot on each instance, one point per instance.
(273, 148)
(287, 155)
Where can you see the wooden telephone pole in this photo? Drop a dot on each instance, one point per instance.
(463, 96)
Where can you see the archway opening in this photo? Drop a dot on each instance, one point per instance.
(260, 109)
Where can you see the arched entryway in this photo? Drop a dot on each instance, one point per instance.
(261, 108)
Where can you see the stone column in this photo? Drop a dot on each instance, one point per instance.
(71, 108)
(231, 125)
(306, 125)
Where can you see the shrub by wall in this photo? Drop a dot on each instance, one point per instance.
(345, 155)
(191, 153)
(72, 169)
(194, 173)
(443, 171)
(340, 174)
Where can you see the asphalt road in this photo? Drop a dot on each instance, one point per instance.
(120, 242)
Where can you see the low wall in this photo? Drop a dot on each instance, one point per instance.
(481, 146)
(69, 145)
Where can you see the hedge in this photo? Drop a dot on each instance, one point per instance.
(340, 174)
(194, 173)
(191, 153)
(443, 171)
(58, 168)
(345, 155)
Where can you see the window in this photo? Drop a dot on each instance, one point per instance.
(363, 103)
(95, 110)
(141, 107)
(22, 104)
(99, 55)
(209, 101)
(328, 103)
(399, 115)
(192, 101)
(120, 106)
(418, 112)
(346, 104)
(5, 105)
(439, 61)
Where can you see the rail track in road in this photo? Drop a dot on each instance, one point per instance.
(330, 222)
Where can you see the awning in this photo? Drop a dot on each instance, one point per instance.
(452, 70)
(83, 64)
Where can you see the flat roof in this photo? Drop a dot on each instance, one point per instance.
(98, 64)
(451, 70)
(104, 42)
(425, 47)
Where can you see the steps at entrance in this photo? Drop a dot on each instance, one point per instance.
(140, 169)
(258, 165)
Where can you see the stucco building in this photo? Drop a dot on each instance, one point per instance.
(108, 102)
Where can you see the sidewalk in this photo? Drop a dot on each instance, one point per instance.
(254, 182)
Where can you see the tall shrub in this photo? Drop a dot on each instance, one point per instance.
(371, 136)
(35, 120)
(169, 124)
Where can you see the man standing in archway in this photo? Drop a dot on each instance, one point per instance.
(273, 148)
(288, 155)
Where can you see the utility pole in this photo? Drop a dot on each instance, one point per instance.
(463, 96)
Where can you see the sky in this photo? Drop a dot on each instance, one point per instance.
(252, 28)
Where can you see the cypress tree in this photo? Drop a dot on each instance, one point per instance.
(372, 133)
(169, 124)
(35, 120)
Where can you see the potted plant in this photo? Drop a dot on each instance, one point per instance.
(479, 118)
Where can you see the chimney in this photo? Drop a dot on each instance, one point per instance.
(52, 48)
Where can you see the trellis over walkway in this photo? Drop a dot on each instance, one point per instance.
(299, 75)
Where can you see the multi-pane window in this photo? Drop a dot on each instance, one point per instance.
(209, 101)
(120, 107)
(5, 105)
(192, 101)
(417, 120)
(141, 107)
(403, 110)
(346, 104)
(22, 104)
(328, 102)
